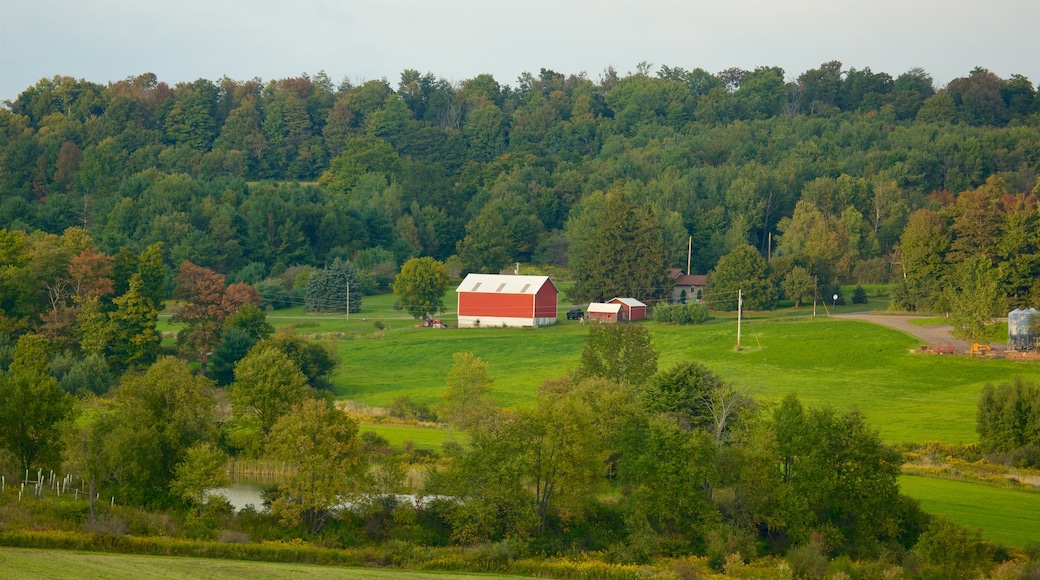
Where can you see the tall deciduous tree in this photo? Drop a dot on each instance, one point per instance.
(421, 285)
(743, 270)
(466, 401)
(33, 406)
(267, 386)
(159, 415)
(206, 303)
(622, 353)
(922, 261)
(974, 297)
(320, 442)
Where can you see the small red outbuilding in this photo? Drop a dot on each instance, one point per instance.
(500, 300)
(633, 309)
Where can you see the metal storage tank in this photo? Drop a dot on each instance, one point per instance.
(1020, 336)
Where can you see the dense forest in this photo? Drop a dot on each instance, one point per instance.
(252, 178)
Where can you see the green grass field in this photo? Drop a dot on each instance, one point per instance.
(47, 564)
(1005, 515)
(842, 363)
(422, 438)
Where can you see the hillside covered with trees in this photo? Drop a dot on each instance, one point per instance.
(251, 178)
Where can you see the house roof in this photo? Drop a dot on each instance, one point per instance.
(604, 308)
(630, 302)
(503, 284)
(691, 280)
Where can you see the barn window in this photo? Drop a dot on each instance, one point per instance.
(524, 289)
(501, 287)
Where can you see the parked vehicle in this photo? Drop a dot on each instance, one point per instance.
(575, 314)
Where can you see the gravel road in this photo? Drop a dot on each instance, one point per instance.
(930, 335)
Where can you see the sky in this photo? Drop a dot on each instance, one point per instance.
(358, 40)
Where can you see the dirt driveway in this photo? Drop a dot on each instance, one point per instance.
(930, 335)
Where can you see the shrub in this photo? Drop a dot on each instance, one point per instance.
(807, 561)
(859, 296)
(405, 408)
(948, 550)
(682, 313)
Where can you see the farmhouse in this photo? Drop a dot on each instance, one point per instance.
(601, 312)
(631, 309)
(688, 288)
(497, 300)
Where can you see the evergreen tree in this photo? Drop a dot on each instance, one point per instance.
(625, 256)
(328, 289)
(134, 338)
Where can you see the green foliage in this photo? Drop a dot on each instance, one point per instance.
(622, 353)
(798, 285)
(316, 360)
(157, 417)
(330, 289)
(859, 295)
(405, 408)
(624, 256)
(1009, 416)
(974, 298)
(134, 341)
(692, 313)
(951, 551)
(466, 402)
(34, 406)
(320, 442)
(420, 286)
(268, 384)
(742, 270)
(202, 470)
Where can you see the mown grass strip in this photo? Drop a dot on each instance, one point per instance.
(47, 564)
(421, 437)
(1005, 515)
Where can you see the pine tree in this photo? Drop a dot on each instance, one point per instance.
(625, 256)
(328, 289)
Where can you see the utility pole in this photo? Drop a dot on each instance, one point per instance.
(348, 300)
(816, 287)
(689, 255)
(740, 307)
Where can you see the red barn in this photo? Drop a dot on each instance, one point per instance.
(632, 308)
(498, 300)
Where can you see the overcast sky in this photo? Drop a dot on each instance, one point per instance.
(183, 40)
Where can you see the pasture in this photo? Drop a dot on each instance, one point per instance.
(47, 564)
(841, 363)
(1008, 516)
(400, 436)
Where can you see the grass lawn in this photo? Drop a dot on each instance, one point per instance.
(843, 363)
(421, 437)
(1005, 515)
(46, 564)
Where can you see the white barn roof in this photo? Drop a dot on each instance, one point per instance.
(502, 284)
(605, 308)
(630, 302)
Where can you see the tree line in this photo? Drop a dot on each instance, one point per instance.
(251, 178)
(618, 457)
